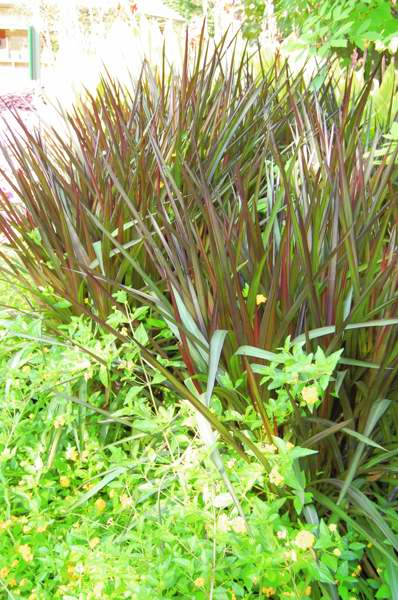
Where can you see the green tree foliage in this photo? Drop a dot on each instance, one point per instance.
(186, 8)
(342, 25)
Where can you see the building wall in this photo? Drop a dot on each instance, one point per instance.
(14, 53)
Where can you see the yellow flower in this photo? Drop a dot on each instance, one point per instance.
(223, 524)
(199, 582)
(94, 542)
(15, 563)
(308, 590)
(5, 524)
(71, 454)
(239, 525)
(261, 299)
(42, 527)
(79, 569)
(23, 582)
(291, 555)
(356, 571)
(26, 552)
(64, 481)
(333, 527)
(275, 477)
(281, 534)
(26, 369)
(59, 421)
(32, 596)
(337, 552)
(305, 539)
(126, 501)
(100, 505)
(98, 590)
(70, 569)
(310, 395)
(12, 582)
(4, 572)
(268, 591)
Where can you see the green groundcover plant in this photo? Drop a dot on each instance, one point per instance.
(94, 507)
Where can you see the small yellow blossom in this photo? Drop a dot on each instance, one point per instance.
(41, 528)
(32, 596)
(199, 582)
(94, 542)
(310, 395)
(126, 501)
(64, 481)
(337, 552)
(59, 421)
(239, 525)
(261, 299)
(100, 505)
(15, 563)
(304, 540)
(291, 555)
(269, 448)
(27, 528)
(70, 569)
(289, 445)
(356, 571)
(281, 534)
(23, 582)
(26, 552)
(71, 454)
(6, 454)
(98, 590)
(4, 572)
(223, 524)
(12, 582)
(5, 524)
(370, 545)
(308, 590)
(333, 527)
(275, 477)
(268, 591)
(79, 569)
(26, 369)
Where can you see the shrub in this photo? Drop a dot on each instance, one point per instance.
(244, 209)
